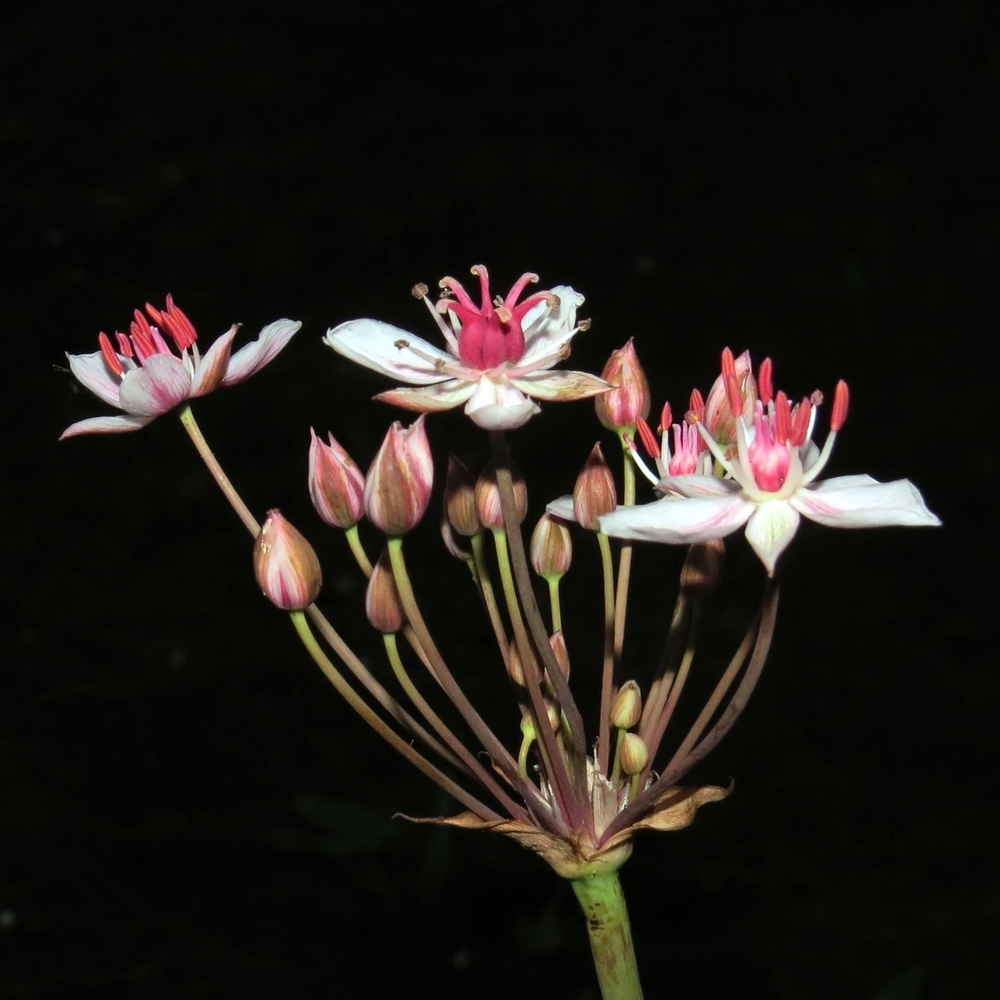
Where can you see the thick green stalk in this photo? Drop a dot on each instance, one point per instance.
(603, 904)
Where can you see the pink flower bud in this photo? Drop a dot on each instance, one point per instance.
(594, 493)
(628, 400)
(551, 547)
(382, 603)
(285, 564)
(488, 497)
(336, 484)
(398, 486)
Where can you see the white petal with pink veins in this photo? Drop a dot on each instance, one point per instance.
(386, 349)
(679, 521)
(430, 398)
(697, 486)
(498, 406)
(159, 385)
(250, 359)
(105, 425)
(770, 529)
(211, 369)
(547, 331)
(861, 502)
(566, 385)
(91, 370)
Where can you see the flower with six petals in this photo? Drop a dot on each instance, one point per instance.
(145, 377)
(770, 483)
(498, 358)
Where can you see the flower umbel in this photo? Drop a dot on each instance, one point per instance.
(770, 481)
(498, 358)
(144, 376)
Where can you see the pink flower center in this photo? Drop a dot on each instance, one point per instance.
(491, 333)
(769, 452)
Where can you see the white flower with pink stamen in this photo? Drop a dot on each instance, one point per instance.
(145, 377)
(498, 359)
(770, 482)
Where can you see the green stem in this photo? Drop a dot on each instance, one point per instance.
(603, 904)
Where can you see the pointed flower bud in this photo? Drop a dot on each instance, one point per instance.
(382, 603)
(515, 668)
(594, 493)
(558, 644)
(551, 548)
(460, 499)
(627, 709)
(398, 487)
(488, 497)
(628, 401)
(336, 484)
(633, 754)
(285, 564)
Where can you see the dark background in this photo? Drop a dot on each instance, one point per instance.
(187, 808)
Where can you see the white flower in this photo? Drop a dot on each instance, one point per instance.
(498, 359)
(145, 377)
(771, 485)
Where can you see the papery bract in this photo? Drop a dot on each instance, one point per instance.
(498, 356)
(143, 376)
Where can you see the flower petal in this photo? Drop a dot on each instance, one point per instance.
(212, 368)
(159, 385)
(697, 486)
(861, 502)
(547, 331)
(430, 398)
(562, 508)
(498, 406)
(770, 529)
(681, 520)
(105, 425)
(92, 371)
(250, 359)
(561, 385)
(387, 349)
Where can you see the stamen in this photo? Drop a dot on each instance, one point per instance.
(801, 421)
(634, 452)
(765, 381)
(666, 418)
(841, 399)
(437, 311)
(696, 406)
(649, 441)
(125, 345)
(108, 352)
(731, 383)
(782, 417)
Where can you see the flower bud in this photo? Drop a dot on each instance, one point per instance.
(382, 603)
(561, 653)
(460, 499)
(336, 484)
(702, 569)
(515, 668)
(633, 754)
(551, 548)
(594, 493)
(628, 400)
(488, 497)
(737, 376)
(285, 564)
(398, 487)
(627, 709)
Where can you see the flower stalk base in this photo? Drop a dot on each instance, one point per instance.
(603, 904)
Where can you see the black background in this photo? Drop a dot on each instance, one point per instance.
(187, 808)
